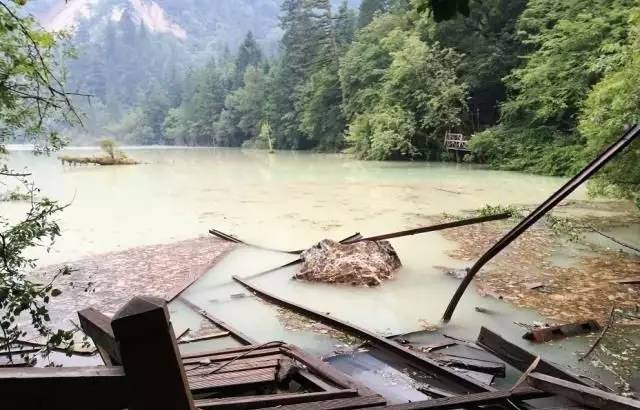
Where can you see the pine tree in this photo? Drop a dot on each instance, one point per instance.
(368, 10)
(249, 54)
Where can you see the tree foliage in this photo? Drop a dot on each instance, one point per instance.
(570, 97)
(32, 102)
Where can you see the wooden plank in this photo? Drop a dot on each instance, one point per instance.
(328, 372)
(239, 374)
(316, 381)
(225, 380)
(484, 366)
(235, 367)
(68, 388)
(578, 393)
(226, 350)
(229, 356)
(238, 335)
(545, 334)
(242, 360)
(458, 383)
(336, 404)
(258, 402)
(520, 358)
(471, 400)
(155, 376)
(17, 361)
(438, 227)
(98, 327)
(217, 335)
(627, 281)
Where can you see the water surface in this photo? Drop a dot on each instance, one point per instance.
(290, 200)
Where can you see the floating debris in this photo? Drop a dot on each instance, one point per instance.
(365, 263)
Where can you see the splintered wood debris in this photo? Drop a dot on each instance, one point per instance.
(107, 281)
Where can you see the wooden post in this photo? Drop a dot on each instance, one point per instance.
(98, 327)
(155, 375)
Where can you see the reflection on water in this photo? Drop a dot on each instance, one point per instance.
(290, 200)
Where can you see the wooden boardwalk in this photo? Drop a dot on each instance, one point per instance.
(145, 370)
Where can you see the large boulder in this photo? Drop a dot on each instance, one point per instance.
(362, 263)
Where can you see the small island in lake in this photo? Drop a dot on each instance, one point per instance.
(113, 156)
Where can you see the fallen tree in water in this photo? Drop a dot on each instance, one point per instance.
(112, 156)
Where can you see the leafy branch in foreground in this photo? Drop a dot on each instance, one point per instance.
(33, 104)
(19, 296)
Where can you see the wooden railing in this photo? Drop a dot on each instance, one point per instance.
(144, 368)
(456, 142)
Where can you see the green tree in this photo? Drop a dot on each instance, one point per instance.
(613, 103)
(322, 117)
(491, 49)
(363, 66)
(386, 132)
(31, 97)
(244, 110)
(345, 25)
(308, 43)
(422, 79)
(249, 54)
(368, 10)
(389, 70)
(572, 45)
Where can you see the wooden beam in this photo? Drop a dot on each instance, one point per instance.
(258, 402)
(336, 404)
(545, 334)
(98, 327)
(235, 333)
(315, 381)
(520, 358)
(218, 357)
(318, 367)
(155, 376)
(68, 388)
(457, 382)
(438, 227)
(483, 366)
(578, 393)
(217, 335)
(471, 400)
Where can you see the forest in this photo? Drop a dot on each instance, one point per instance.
(540, 85)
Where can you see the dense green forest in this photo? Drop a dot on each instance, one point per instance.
(540, 85)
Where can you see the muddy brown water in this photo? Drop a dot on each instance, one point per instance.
(291, 200)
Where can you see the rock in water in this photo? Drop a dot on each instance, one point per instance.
(362, 263)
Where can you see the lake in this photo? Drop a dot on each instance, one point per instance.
(290, 200)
